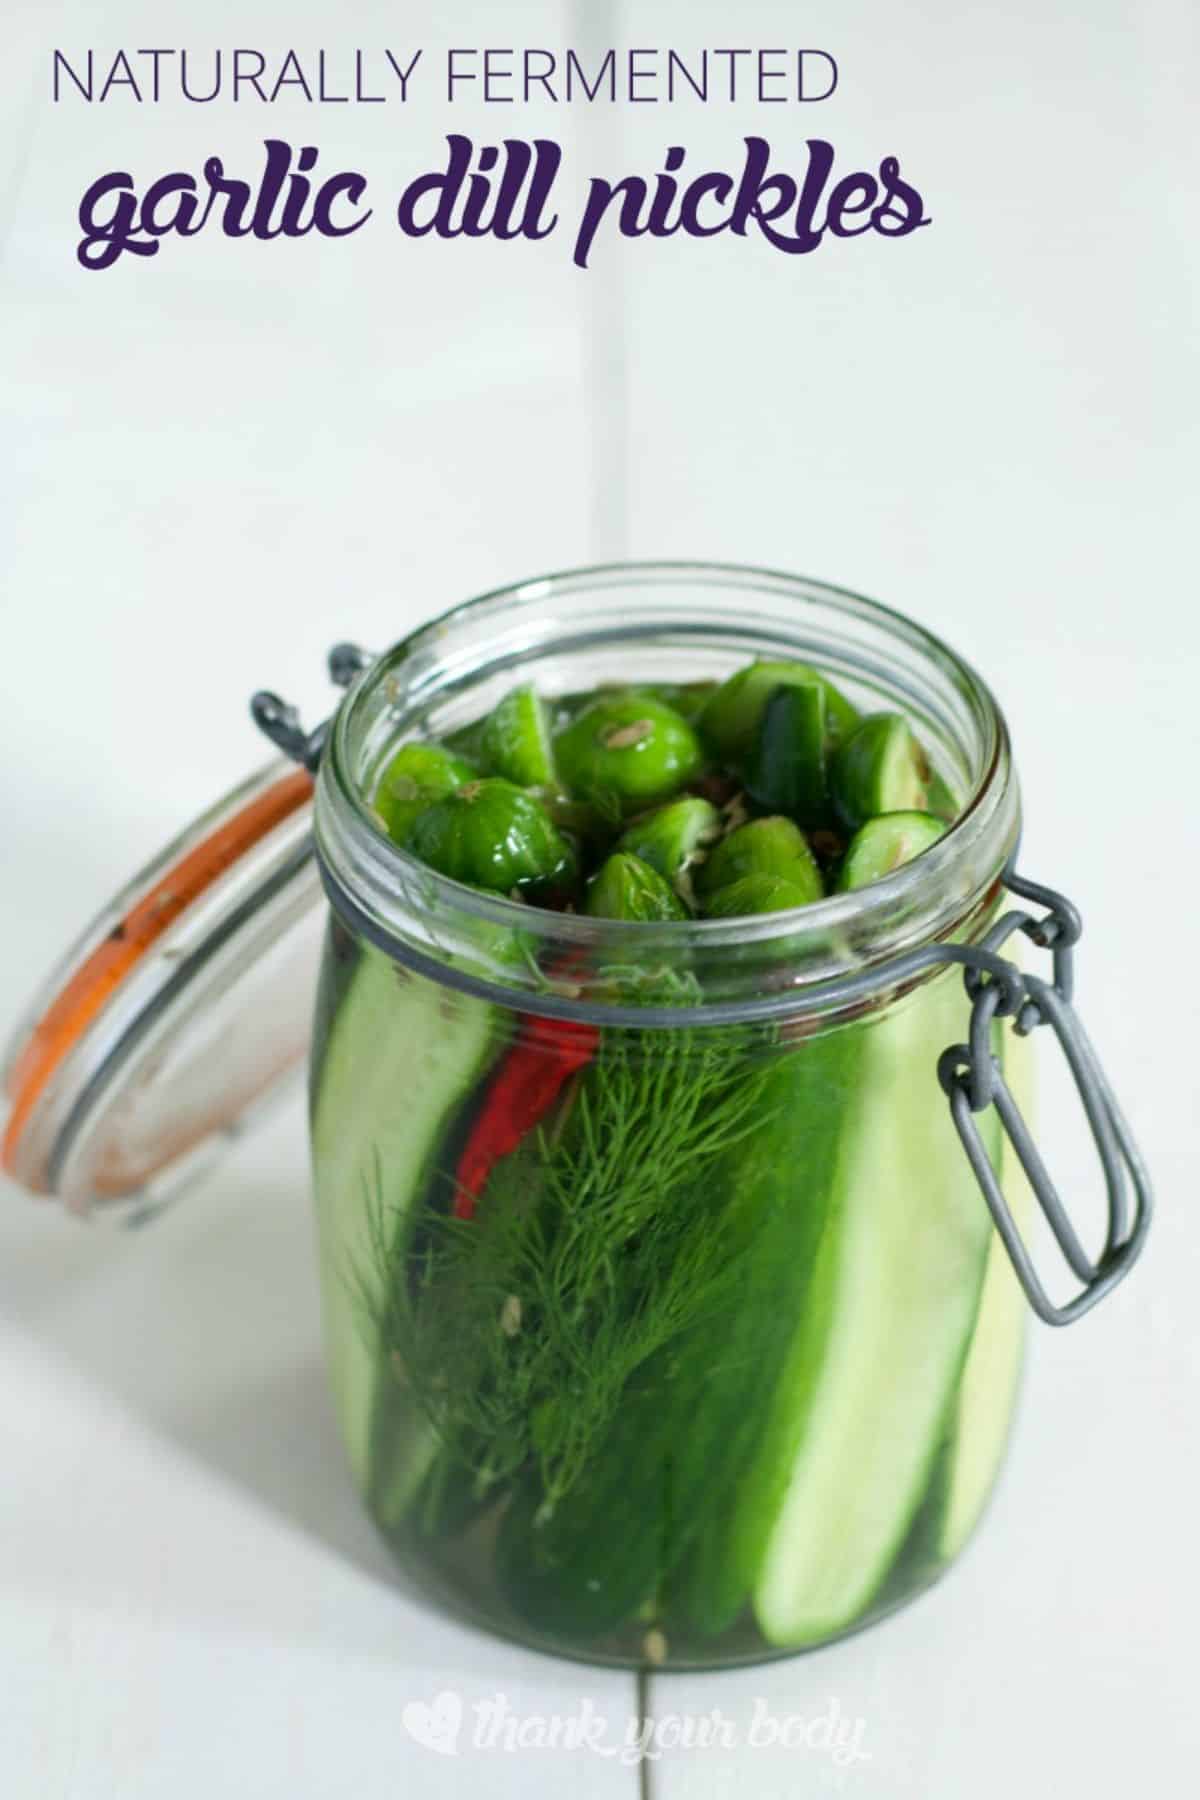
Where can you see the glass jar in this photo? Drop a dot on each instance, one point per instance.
(718, 1361)
(674, 1276)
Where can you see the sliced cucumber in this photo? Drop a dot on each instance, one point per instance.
(733, 714)
(942, 801)
(862, 1403)
(690, 1418)
(785, 768)
(988, 1391)
(674, 840)
(398, 1059)
(792, 1163)
(880, 768)
(516, 740)
(883, 844)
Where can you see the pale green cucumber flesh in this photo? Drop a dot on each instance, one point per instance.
(879, 1354)
(790, 1164)
(883, 844)
(992, 1372)
(400, 1057)
(516, 739)
(880, 768)
(942, 801)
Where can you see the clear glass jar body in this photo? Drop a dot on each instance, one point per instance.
(717, 1360)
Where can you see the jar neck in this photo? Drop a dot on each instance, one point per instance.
(650, 623)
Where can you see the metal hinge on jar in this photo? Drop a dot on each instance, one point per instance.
(973, 1080)
(970, 1073)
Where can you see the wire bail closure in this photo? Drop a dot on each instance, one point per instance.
(972, 1079)
(969, 1073)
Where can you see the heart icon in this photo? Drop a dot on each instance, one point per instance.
(437, 1725)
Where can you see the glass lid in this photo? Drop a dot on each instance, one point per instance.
(177, 1015)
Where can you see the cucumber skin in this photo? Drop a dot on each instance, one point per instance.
(716, 1584)
(380, 1034)
(772, 1519)
(712, 1586)
(688, 1425)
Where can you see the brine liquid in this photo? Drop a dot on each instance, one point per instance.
(682, 1384)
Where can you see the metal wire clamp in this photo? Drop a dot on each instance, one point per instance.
(969, 1073)
(972, 1078)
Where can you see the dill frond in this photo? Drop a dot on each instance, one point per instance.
(593, 1248)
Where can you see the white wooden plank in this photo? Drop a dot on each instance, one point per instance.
(193, 1599)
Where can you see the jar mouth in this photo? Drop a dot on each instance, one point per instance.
(662, 621)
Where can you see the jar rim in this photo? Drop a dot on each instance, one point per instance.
(383, 891)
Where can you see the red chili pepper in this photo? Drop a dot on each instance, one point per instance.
(523, 1089)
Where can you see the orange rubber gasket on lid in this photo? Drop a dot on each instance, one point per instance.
(76, 1005)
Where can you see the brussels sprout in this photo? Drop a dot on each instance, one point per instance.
(732, 716)
(885, 842)
(625, 753)
(881, 768)
(415, 777)
(773, 846)
(515, 740)
(492, 834)
(627, 888)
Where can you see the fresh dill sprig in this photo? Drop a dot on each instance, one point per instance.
(592, 1248)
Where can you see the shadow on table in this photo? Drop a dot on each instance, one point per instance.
(203, 1326)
